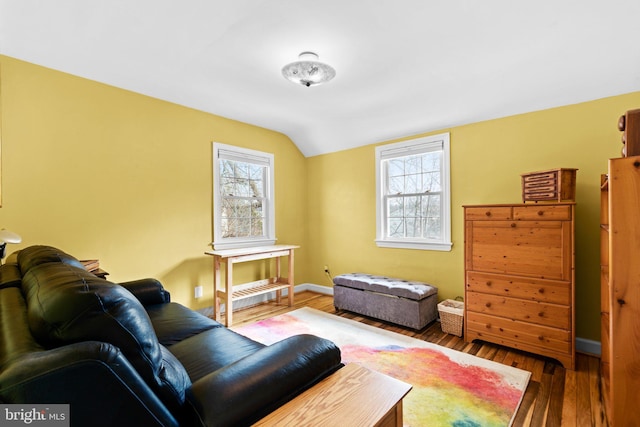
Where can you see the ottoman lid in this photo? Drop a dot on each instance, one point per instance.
(386, 285)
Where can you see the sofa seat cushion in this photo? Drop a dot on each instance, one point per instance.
(174, 322)
(211, 350)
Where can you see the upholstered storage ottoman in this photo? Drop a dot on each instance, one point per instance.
(412, 304)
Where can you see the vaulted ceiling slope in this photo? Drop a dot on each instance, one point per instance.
(403, 66)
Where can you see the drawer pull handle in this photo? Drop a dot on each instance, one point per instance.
(541, 314)
(540, 213)
(488, 325)
(488, 282)
(488, 305)
(488, 213)
(541, 338)
(513, 224)
(541, 290)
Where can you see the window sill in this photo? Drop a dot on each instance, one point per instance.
(409, 244)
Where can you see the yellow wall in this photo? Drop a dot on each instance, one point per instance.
(487, 159)
(105, 173)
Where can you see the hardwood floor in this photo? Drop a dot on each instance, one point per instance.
(555, 396)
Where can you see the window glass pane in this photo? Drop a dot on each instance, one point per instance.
(412, 165)
(413, 201)
(241, 179)
(257, 227)
(257, 180)
(412, 207)
(431, 205)
(396, 185)
(433, 228)
(413, 183)
(413, 227)
(396, 207)
(243, 227)
(396, 227)
(244, 214)
(414, 174)
(431, 182)
(242, 187)
(432, 216)
(395, 167)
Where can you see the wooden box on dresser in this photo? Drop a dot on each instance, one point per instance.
(520, 274)
(620, 291)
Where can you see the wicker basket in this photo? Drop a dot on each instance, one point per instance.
(451, 316)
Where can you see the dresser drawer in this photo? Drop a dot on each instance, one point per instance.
(515, 331)
(551, 291)
(479, 213)
(542, 213)
(553, 315)
(540, 249)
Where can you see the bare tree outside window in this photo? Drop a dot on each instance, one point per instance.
(243, 197)
(242, 192)
(413, 194)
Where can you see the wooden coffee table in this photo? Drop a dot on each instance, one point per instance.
(352, 396)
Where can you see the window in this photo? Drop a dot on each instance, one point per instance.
(243, 203)
(413, 194)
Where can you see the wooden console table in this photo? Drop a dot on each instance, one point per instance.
(351, 396)
(232, 293)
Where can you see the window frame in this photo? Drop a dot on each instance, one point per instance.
(250, 156)
(402, 149)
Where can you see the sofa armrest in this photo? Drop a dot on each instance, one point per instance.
(252, 387)
(94, 378)
(148, 291)
(10, 276)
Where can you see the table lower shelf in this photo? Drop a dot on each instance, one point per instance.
(253, 290)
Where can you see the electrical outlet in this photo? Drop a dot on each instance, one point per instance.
(198, 292)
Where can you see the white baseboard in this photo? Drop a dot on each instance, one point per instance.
(584, 345)
(314, 288)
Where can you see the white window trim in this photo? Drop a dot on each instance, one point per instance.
(405, 147)
(253, 156)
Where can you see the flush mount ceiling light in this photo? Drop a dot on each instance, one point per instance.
(308, 71)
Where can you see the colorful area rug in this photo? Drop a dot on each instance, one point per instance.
(450, 388)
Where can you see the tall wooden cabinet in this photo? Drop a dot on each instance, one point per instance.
(620, 291)
(519, 269)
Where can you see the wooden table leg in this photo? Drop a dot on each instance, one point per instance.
(278, 278)
(228, 294)
(290, 278)
(216, 284)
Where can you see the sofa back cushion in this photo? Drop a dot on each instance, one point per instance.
(67, 304)
(40, 254)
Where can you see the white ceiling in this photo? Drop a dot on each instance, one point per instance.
(403, 66)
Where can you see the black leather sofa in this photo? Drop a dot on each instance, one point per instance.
(124, 355)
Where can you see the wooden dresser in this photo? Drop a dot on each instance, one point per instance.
(520, 274)
(620, 290)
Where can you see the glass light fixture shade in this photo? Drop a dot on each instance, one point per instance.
(308, 71)
(7, 236)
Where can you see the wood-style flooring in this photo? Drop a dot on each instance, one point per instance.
(555, 396)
